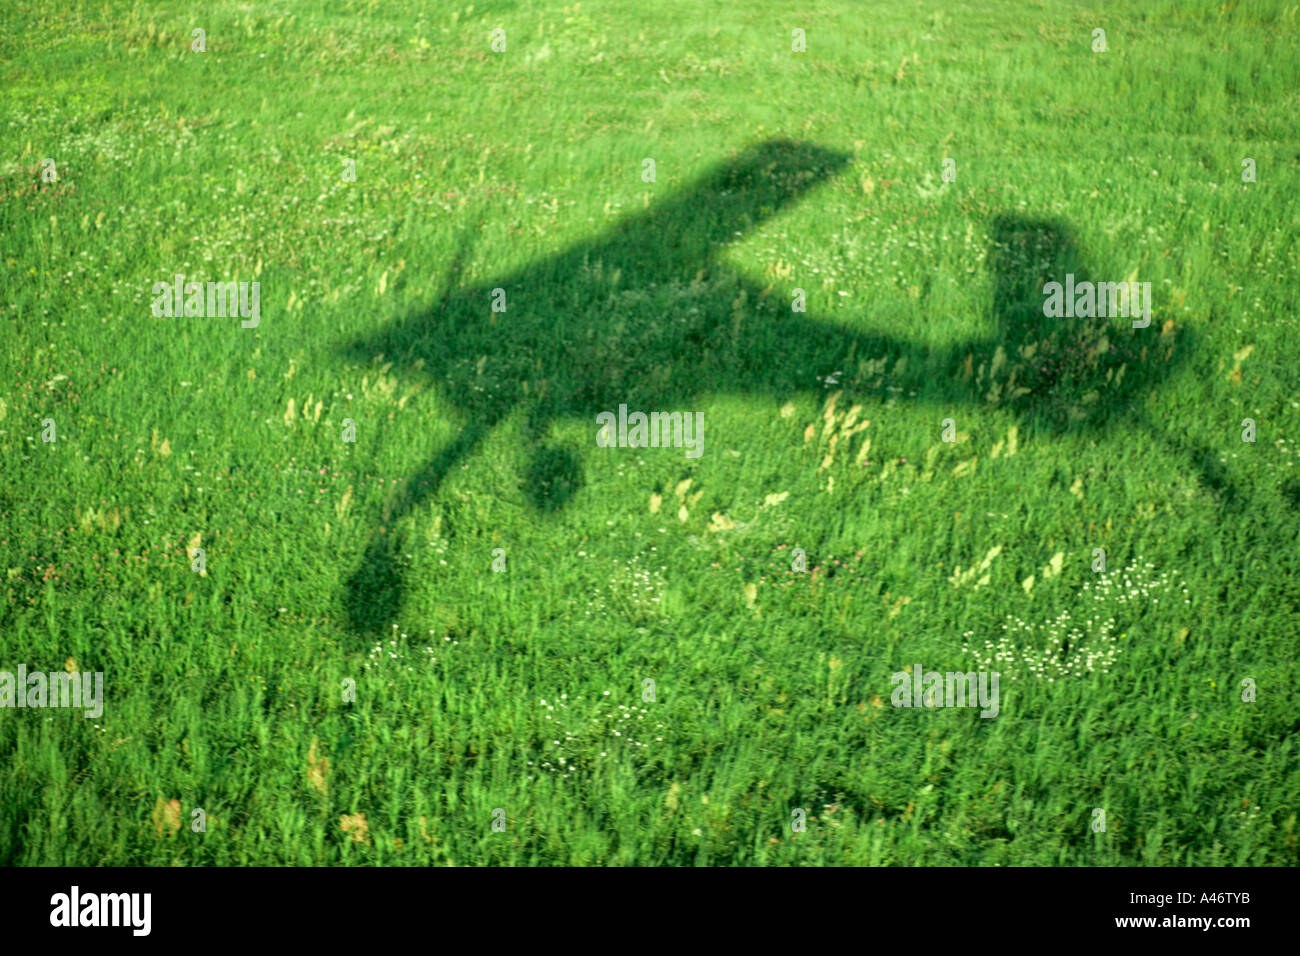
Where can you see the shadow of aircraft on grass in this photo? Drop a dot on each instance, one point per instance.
(647, 315)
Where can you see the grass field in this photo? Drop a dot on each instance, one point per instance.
(339, 676)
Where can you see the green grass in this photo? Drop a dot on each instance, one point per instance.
(371, 561)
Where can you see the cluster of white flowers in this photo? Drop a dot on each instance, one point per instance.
(1069, 650)
(1248, 818)
(635, 590)
(1138, 584)
(394, 654)
(1063, 647)
(587, 741)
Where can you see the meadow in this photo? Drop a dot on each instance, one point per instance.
(370, 651)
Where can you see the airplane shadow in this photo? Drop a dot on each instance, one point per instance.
(649, 316)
